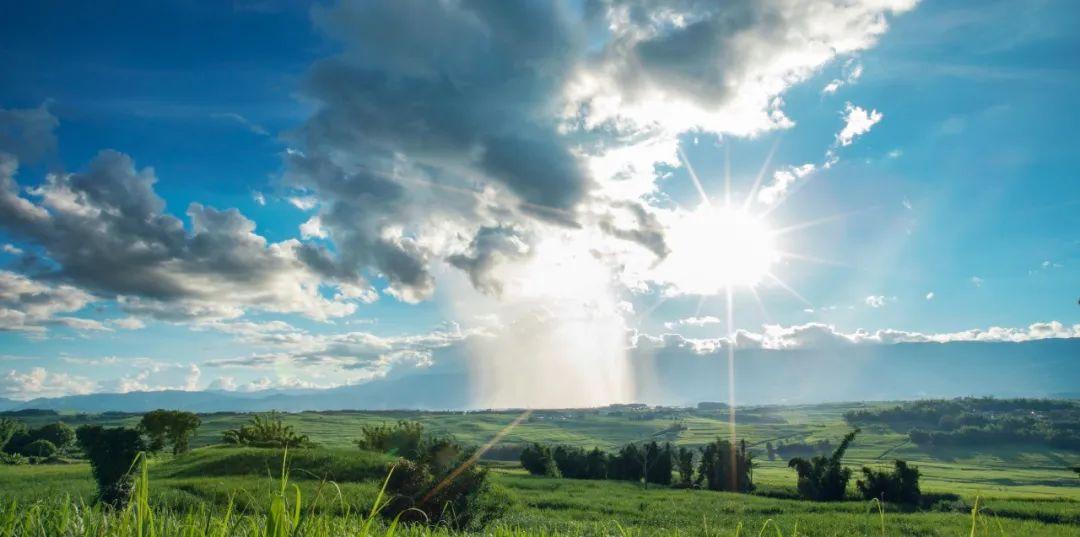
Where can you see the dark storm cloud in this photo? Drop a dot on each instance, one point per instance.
(107, 231)
(455, 92)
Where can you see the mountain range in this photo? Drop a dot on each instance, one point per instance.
(677, 376)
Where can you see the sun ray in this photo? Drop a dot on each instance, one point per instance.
(700, 303)
(819, 221)
(788, 288)
(727, 175)
(761, 305)
(731, 383)
(694, 178)
(761, 175)
(818, 260)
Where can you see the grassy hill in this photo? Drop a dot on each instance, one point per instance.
(1021, 489)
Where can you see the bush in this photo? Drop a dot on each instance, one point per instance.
(267, 430)
(821, 478)
(13, 459)
(439, 485)
(112, 452)
(8, 429)
(538, 460)
(40, 448)
(901, 485)
(405, 439)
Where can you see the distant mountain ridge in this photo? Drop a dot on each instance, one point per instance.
(1045, 368)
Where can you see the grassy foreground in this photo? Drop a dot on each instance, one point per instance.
(243, 492)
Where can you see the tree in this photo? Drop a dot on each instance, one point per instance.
(658, 464)
(824, 478)
(174, 427)
(770, 450)
(901, 485)
(60, 434)
(596, 464)
(112, 453)
(628, 464)
(40, 448)
(684, 463)
(8, 429)
(726, 467)
(537, 459)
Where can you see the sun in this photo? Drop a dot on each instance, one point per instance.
(718, 247)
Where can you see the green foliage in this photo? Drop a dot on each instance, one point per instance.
(59, 434)
(8, 428)
(111, 451)
(405, 439)
(725, 467)
(438, 484)
(538, 459)
(12, 459)
(981, 421)
(174, 427)
(684, 463)
(824, 479)
(20, 438)
(658, 463)
(267, 430)
(628, 464)
(901, 485)
(40, 448)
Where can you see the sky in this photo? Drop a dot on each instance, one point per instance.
(264, 194)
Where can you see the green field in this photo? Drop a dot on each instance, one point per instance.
(1021, 490)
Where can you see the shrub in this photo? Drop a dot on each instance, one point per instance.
(725, 467)
(439, 485)
(40, 448)
(405, 439)
(13, 459)
(267, 430)
(901, 485)
(538, 460)
(112, 452)
(824, 478)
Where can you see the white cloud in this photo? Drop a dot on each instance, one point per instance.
(30, 305)
(694, 321)
(857, 121)
(977, 281)
(128, 323)
(259, 197)
(930, 295)
(304, 203)
(783, 180)
(41, 383)
(878, 301)
(312, 228)
(12, 249)
(818, 335)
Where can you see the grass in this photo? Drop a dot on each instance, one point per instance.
(1020, 490)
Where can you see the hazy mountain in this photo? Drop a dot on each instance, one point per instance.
(1047, 368)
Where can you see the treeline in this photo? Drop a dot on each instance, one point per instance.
(980, 421)
(720, 465)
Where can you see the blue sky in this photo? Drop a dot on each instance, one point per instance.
(471, 173)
